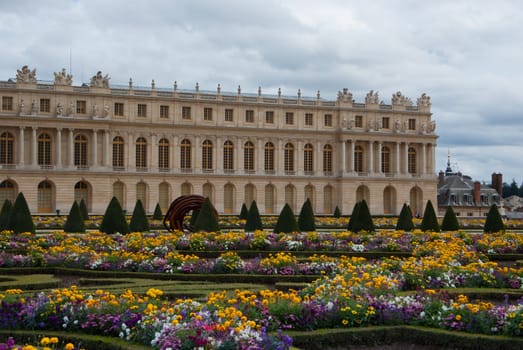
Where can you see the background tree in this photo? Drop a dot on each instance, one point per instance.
(114, 219)
(5, 214)
(450, 221)
(306, 217)
(83, 210)
(430, 220)
(337, 212)
(405, 219)
(244, 212)
(21, 219)
(286, 221)
(157, 215)
(75, 221)
(139, 222)
(207, 220)
(253, 222)
(494, 222)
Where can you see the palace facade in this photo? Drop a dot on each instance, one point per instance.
(60, 142)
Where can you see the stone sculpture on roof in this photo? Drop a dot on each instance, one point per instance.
(399, 100)
(62, 78)
(100, 81)
(372, 97)
(25, 75)
(424, 100)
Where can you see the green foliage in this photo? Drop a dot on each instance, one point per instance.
(494, 222)
(5, 214)
(450, 221)
(139, 222)
(353, 217)
(244, 212)
(306, 217)
(337, 212)
(207, 220)
(20, 219)
(83, 210)
(75, 221)
(360, 219)
(405, 219)
(286, 221)
(253, 219)
(157, 215)
(194, 217)
(114, 219)
(430, 220)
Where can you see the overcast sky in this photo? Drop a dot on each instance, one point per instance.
(466, 55)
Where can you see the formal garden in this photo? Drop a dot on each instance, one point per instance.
(259, 282)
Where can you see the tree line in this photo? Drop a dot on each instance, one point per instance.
(512, 189)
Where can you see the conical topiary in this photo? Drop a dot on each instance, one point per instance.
(253, 222)
(244, 212)
(207, 220)
(494, 222)
(405, 219)
(286, 221)
(450, 221)
(75, 221)
(157, 215)
(306, 217)
(139, 222)
(5, 215)
(353, 217)
(194, 217)
(21, 219)
(337, 212)
(83, 210)
(364, 221)
(430, 220)
(114, 219)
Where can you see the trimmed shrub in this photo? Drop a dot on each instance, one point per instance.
(253, 219)
(494, 222)
(286, 221)
(20, 219)
(337, 212)
(306, 217)
(207, 220)
(114, 219)
(83, 210)
(194, 217)
(139, 222)
(405, 219)
(364, 221)
(244, 212)
(353, 217)
(5, 215)
(75, 221)
(430, 220)
(157, 215)
(450, 221)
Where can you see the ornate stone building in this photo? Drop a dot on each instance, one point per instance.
(60, 142)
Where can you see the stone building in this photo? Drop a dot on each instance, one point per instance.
(61, 142)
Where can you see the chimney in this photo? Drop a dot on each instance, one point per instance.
(497, 182)
(441, 178)
(477, 196)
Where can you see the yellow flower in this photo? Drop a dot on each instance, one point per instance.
(69, 346)
(345, 322)
(44, 341)
(458, 317)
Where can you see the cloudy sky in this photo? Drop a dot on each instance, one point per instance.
(466, 55)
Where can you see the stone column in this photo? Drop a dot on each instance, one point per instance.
(106, 148)
(239, 151)
(343, 148)
(398, 160)
(280, 158)
(71, 148)
(131, 152)
(406, 158)
(152, 155)
(95, 148)
(318, 162)
(259, 154)
(59, 148)
(197, 155)
(352, 149)
(371, 157)
(175, 153)
(423, 159)
(219, 155)
(380, 146)
(298, 159)
(21, 152)
(34, 150)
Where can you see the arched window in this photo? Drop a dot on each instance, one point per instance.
(7, 191)
(269, 157)
(185, 155)
(44, 149)
(327, 160)
(141, 154)
(119, 192)
(288, 158)
(249, 194)
(164, 196)
(81, 191)
(412, 168)
(309, 194)
(118, 151)
(385, 160)
(45, 197)
(389, 200)
(308, 159)
(207, 155)
(207, 191)
(248, 157)
(290, 196)
(80, 150)
(327, 200)
(141, 194)
(228, 156)
(362, 193)
(228, 198)
(186, 189)
(163, 155)
(416, 201)
(270, 199)
(6, 148)
(358, 159)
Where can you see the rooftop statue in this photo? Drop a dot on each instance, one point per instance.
(344, 96)
(100, 81)
(25, 75)
(372, 97)
(424, 100)
(400, 100)
(62, 78)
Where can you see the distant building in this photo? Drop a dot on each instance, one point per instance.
(513, 207)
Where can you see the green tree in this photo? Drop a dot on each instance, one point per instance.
(286, 221)
(21, 219)
(207, 220)
(306, 218)
(244, 212)
(114, 219)
(494, 222)
(354, 217)
(5, 214)
(253, 222)
(75, 221)
(83, 210)
(139, 222)
(337, 212)
(430, 220)
(450, 221)
(405, 219)
(157, 215)
(194, 217)
(364, 222)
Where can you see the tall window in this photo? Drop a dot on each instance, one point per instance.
(141, 153)
(228, 198)
(44, 149)
(163, 154)
(249, 194)
(207, 113)
(248, 156)
(45, 197)
(7, 103)
(228, 156)
(412, 124)
(164, 197)
(118, 145)
(308, 119)
(6, 148)
(118, 192)
(308, 152)
(269, 157)
(358, 159)
(327, 159)
(186, 112)
(81, 191)
(80, 150)
(141, 193)
(309, 194)
(164, 112)
(327, 200)
(289, 118)
(186, 189)
(385, 160)
(358, 121)
(290, 196)
(229, 115)
(142, 110)
(249, 116)
(7, 191)
(207, 155)
(45, 105)
(327, 120)
(412, 168)
(269, 199)
(185, 155)
(269, 117)
(207, 191)
(385, 123)
(288, 158)
(389, 200)
(118, 109)
(81, 107)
